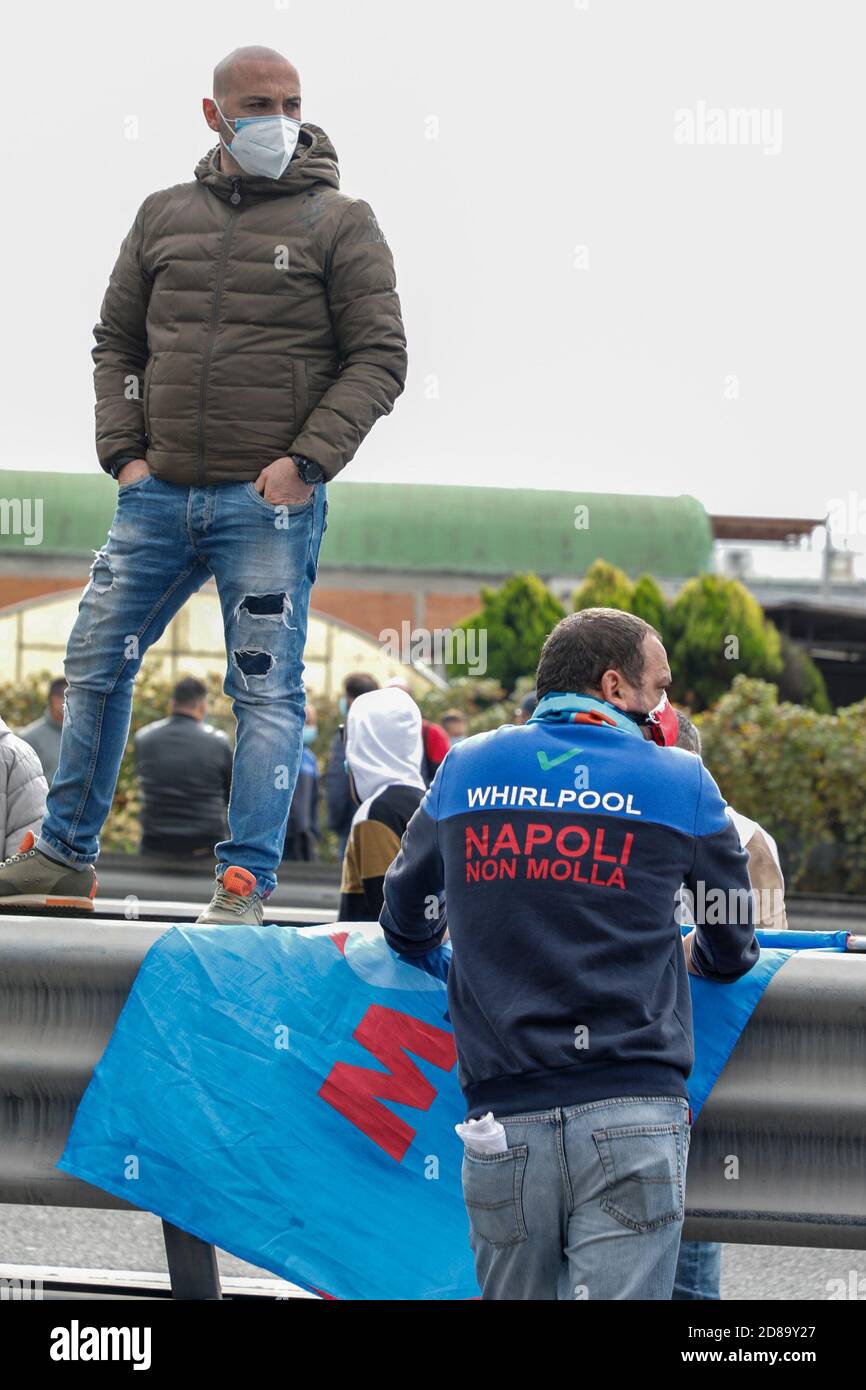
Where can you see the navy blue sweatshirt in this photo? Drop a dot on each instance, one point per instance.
(558, 850)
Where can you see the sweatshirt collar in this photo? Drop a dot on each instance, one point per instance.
(561, 708)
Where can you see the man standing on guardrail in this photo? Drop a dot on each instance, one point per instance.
(559, 849)
(249, 339)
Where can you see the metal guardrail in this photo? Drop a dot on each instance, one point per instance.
(316, 886)
(63, 983)
(778, 1156)
(301, 887)
(26, 1283)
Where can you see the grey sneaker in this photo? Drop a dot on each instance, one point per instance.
(234, 901)
(30, 879)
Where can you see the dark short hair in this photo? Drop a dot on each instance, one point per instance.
(189, 691)
(584, 645)
(359, 683)
(452, 716)
(57, 686)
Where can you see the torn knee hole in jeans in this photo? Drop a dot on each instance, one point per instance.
(274, 608)
(252, 663)
(101, 573)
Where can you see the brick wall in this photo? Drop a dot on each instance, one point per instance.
(371, 610)
(17, 590)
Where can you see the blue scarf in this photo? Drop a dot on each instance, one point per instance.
(558, 708)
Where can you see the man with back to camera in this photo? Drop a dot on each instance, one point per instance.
(560, 849)
(184, 770)
(249, 339)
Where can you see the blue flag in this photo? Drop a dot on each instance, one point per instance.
(291, 1097)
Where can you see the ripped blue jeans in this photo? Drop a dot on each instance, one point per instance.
(165, 542)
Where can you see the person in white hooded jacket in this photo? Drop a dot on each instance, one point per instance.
(384, 754)
(23, 790)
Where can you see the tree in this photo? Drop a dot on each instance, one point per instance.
(604, 586)
(648, 602)
(514, 621)
(800, 680)
(715, 631)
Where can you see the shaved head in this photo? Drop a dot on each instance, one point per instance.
(245, 64)
(249, 83)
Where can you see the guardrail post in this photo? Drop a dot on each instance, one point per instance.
(192, 1265)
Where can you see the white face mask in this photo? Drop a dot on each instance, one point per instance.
(263, 145)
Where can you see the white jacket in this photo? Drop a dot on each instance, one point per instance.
(23, 790)
(765, 871)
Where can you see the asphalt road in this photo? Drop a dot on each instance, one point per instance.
(133, 1241)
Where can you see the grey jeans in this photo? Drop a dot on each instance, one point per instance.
(587, 1202)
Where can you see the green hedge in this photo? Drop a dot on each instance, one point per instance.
(800, 773)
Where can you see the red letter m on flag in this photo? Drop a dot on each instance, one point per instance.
(353, 1091)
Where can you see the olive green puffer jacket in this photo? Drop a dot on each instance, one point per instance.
(246, 319)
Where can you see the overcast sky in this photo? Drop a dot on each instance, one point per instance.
(596, 297)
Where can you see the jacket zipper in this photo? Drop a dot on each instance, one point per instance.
(235, 201)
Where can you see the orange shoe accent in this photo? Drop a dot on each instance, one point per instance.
(83, 904)
(239, 881)
(92, 893)
(27, 843)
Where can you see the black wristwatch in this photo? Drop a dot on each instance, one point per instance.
(308, 469)
(120, 462)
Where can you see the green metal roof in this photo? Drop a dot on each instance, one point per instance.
(483, 532)
(500, 531)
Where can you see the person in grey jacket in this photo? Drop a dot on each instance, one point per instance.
(23, 790)
(44, 734)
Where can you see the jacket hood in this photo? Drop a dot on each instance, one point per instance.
(314, 161)
(384, 747)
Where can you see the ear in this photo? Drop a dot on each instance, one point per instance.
(611, 687)
(211, 114)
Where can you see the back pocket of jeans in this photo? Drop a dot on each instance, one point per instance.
(644, 1173)
(493, 1192)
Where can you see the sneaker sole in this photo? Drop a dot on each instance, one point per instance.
(46, 900)
(220, 922)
